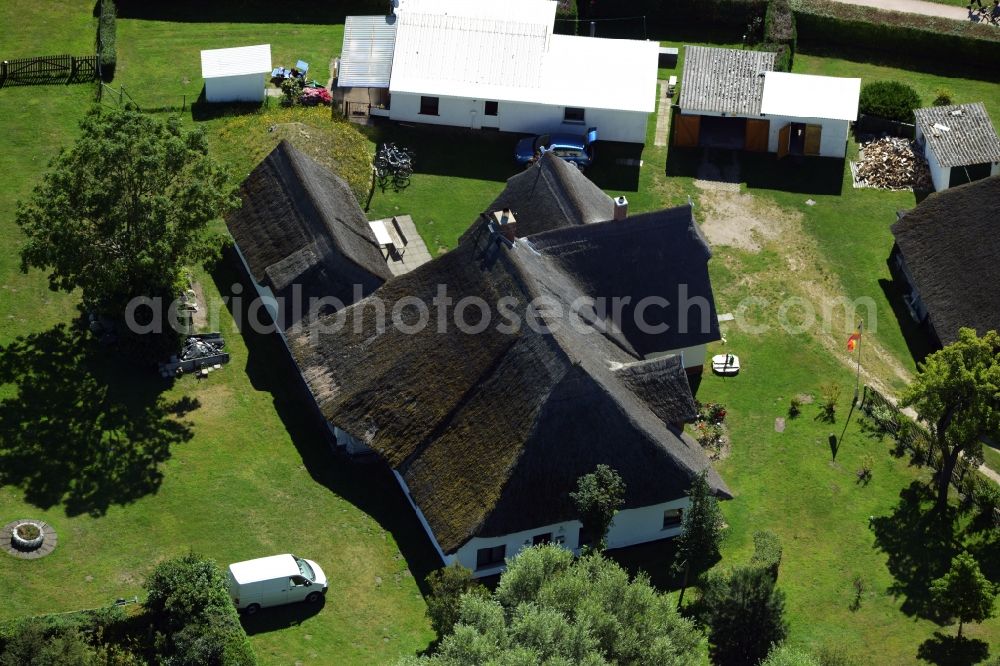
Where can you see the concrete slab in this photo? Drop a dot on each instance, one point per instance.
(662, 116)
(410, 250)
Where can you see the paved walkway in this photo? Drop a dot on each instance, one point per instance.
(662, 116)
(915, 7)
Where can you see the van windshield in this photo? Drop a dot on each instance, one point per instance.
(305, 569)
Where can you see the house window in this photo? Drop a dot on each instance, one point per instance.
(489, 557)
(428, 106)
(573, 115)
(541, 538)
(491, 108)
(672, 518)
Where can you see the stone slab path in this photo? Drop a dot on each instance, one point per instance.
(662, 116)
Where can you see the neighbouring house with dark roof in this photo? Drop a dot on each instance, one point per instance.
(946, 256)
(491, 399)
(960, 143)
(733, 98)
(303, 238)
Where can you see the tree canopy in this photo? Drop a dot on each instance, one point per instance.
(598, 497)
(122, 211)
(744, 612)
(701, 531)
(964, 592)
(551, 609)
(957, 391)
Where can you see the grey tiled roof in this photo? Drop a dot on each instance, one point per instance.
(723, 80)
(969, 139)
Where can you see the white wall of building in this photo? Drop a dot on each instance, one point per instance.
(691, 357)
(612, 125)
(833, 140)
(243, 88)
(940, 175)
(631, 527)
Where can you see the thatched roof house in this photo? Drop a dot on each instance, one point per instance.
(946, 256)
(302, 234)
(552, 194)
(489, 426)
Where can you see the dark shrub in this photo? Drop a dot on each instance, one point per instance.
(106, 39)
(447, 586)
(893, 100)
(744, 613)
(566, 18)
(780, 33)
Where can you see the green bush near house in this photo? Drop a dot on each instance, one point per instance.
(566, 17)
(892, 100)
(779, 33)
(766, 552)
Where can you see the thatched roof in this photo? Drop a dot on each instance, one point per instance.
(970, 137)
(552, 194)
(724, 80)
(951, 245)
(490, 430)
(300, 227)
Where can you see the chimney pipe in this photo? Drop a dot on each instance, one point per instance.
(593, 28)
(621, 208)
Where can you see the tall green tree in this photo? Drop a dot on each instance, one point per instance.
(598, 497)
(551, 609)
(744, 613)
(964, 592)
(447, 586)
(701, 532)
(122, 211)
(957, 391)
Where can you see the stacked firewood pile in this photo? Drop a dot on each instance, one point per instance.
(892, 163)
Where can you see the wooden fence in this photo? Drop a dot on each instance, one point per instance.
(49, 69)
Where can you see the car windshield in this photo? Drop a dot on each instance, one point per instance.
(542, 142)
(306, 570)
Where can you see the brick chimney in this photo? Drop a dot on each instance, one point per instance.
(621, 208)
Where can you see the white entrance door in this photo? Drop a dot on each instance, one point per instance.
(475, 122)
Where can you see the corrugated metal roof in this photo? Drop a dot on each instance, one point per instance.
(809, 96)
(366, 58)
(236, 61)
(724, 80)
(969, 139)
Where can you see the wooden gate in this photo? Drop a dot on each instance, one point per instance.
(48, 69)
(784, 137)
(757, 134)
(686, 130)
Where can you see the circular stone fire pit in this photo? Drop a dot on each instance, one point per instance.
(28, 539)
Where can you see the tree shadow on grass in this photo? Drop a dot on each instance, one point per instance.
(79, 427)
(946, 650)
(369, 485)
(920, 543)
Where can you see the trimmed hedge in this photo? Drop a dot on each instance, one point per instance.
(107, 38)
(566, 18)
(892, 100)
(766, 552)
(853, 28)
(716, 13)
(780, 33)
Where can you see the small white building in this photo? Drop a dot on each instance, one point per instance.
(960, 143)
(499, 65)
(236, 74)
(733, 99)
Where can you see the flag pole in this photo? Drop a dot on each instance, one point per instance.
(857, 384)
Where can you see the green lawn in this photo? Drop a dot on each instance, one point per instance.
(248, 474)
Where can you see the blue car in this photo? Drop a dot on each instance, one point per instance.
(578, 150)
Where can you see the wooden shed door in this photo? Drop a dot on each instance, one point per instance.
(757, 135)
(813, 135)
(784, 136)
(686, 130)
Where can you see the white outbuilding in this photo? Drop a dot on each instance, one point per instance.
(960, 143)
(486, 65)
(734, 99)
(236, 74)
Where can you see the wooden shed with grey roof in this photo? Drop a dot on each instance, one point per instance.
(960, 143)
(733, 98)
(488, 420)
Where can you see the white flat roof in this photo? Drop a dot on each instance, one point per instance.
(508, 60)
(236, 61)
(264, 568)
(809, 96)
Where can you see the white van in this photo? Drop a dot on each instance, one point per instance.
(275, 580)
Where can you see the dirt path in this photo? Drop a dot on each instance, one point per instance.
(914, 7)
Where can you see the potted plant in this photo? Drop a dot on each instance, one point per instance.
(28, 536)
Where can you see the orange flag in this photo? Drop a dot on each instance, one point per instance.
(852, 341)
